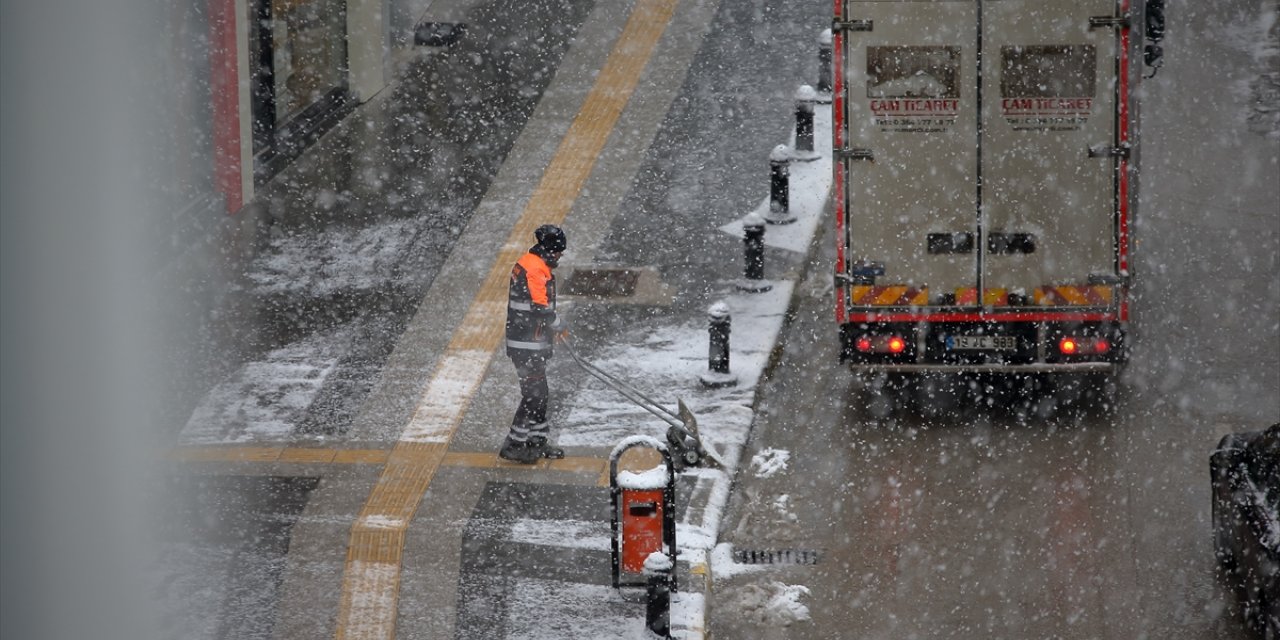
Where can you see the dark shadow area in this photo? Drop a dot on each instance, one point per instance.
(221, 553)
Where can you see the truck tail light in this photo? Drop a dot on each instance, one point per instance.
(1072, 346)
(1068, 346)
(896, 344)
(891, 344)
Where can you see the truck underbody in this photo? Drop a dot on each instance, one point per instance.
(987, 345)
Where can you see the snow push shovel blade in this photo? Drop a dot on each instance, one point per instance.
(682, 429)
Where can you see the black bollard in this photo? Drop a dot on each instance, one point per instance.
(806, 98)
(718, 326)
(657, 611)
(753, 247)
(824, 62)
(780, 187)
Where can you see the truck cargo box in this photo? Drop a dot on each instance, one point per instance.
(985, 183)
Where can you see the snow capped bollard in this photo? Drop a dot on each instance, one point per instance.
(657, 611)
(718, 327)
(824, 65)
(753, 253)
(806, 98)
(780, 186)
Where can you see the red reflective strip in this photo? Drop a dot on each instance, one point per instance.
(224, 85)
(837, 167)
(1123, 189)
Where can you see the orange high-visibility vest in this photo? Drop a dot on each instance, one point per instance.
(531, 305)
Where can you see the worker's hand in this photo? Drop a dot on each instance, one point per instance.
(562, 336)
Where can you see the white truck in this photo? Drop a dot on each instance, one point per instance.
(986, 182)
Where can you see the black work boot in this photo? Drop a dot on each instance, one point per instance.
(545, 450)
(520, 452)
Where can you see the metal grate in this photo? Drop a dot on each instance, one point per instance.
(602, 283)
(776, 556)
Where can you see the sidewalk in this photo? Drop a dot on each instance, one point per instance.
(415, 525)
(535, 546)
(666, 359)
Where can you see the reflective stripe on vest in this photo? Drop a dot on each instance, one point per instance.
(531, 346)
(520, 306)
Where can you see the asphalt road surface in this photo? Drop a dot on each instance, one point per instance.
(1011, 517)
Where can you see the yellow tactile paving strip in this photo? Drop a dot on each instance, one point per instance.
(370, 585)
(306, 455)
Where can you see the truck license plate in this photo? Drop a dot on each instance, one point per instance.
(982, 343)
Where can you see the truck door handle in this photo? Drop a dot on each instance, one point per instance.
(1108, 151)
(944, 243)
(856, 154)
(1007, 243)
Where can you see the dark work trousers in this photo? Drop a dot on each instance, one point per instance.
(530, 421)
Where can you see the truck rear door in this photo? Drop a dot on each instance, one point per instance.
(912, 163)
(1048, 203)
(981, 156)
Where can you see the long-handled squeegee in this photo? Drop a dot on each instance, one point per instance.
(682, 433)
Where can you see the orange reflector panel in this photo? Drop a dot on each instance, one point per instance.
(888, 295)
(1073, 295)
